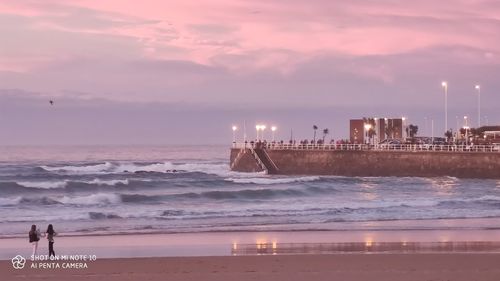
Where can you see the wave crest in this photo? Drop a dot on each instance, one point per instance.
(93, 199)
(43, 184)
(80, 169)
(270, 180)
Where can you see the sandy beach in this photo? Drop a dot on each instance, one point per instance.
(266, 256)
(346, 267)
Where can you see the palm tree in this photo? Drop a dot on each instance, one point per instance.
(315, 128)
(448, 134)
(413, 130)
(325, 132)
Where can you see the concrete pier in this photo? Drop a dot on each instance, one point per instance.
(369, 162)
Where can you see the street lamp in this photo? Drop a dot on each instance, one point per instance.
(444, 84)
(273, 129)
(262, 128)
(257, 128)
(478, 88)
(234, 133)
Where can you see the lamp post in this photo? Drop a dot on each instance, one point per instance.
(234, 133)
(257, 128)
(273, 129)
(262, 128)
(444, 84)
(478, 88)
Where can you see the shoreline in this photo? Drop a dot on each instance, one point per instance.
(440, 224)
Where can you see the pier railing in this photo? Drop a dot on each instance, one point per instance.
(376, 147)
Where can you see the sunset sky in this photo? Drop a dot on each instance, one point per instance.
(172, 71)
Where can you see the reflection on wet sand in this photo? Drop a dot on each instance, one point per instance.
(369, 246)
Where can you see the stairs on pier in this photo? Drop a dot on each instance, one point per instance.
(264, 161)
(238, 157)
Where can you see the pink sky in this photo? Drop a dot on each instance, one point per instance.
(257, 53)
(283, 32)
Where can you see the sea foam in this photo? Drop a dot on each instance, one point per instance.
(270, 180)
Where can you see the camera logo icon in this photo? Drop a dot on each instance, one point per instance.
(18, 262)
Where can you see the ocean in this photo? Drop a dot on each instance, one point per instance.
(91, 190)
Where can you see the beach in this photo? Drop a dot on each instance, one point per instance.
(346, 267)
(317, 255)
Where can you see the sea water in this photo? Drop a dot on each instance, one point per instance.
(88, 190)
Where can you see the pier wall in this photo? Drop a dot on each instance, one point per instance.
(376, 163)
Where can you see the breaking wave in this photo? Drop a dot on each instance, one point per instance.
(65, 183)
(83, 169)
(268, 180)
(10, 201)
(163, 167)
(93, 199)
(106, 182)
(43, 184)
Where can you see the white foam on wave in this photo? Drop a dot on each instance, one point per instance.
(106, 182)
(10, 201)
(269, 180)
(132, 168)
(93, 199)
(222, 170)
(63, 184)
(88, 169)
(207, 168)
(43, 184)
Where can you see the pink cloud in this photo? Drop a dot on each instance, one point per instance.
(280, 33)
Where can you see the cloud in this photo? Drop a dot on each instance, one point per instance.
(200, 32)
(254, 54)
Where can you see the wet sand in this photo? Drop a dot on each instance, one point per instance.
(346, 267)
(223, 243)
(468, 255)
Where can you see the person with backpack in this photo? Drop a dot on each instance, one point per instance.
(50, 233)
(34, 237)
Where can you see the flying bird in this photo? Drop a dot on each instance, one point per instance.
(51, 102)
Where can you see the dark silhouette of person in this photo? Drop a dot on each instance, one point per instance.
(34, 237)
(50, 236)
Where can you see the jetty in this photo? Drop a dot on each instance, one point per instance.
(368, 160)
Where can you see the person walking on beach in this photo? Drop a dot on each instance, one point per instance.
(50, 236)
(34, 237)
